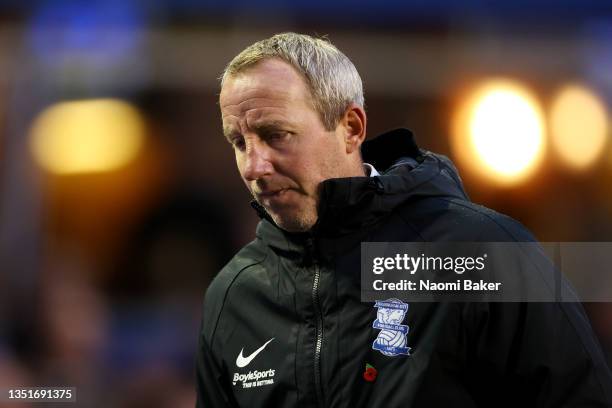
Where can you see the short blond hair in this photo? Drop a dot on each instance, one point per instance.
(331, 77)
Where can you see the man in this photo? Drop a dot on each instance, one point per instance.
(283, 322)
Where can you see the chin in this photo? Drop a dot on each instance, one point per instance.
(295, 223)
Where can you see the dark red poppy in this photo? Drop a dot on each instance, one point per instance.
(370, 374)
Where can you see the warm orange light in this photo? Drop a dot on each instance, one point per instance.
(87, 136)
(498, 132)
(579, 126)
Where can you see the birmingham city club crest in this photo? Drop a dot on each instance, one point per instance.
(391, 340)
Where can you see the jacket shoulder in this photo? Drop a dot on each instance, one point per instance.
(216, 295)
(456, 219)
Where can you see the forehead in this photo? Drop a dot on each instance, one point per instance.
(270, 84)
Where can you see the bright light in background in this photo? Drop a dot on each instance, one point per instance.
(579, 126)
(87, 136)
(499, 132)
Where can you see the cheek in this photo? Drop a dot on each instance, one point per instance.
(329, 162)
(240, 167)
(305, 171)
(310, 170)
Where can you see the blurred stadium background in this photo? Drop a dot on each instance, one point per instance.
(119, 198)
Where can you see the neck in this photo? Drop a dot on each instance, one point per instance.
(356, 169)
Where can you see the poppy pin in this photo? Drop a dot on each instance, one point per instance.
(370, 373)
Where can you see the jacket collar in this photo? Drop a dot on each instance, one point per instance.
(351, 206)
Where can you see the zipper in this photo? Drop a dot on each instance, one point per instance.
(319, 323)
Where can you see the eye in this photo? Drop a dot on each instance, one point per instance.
(238, 143)
(277, 136)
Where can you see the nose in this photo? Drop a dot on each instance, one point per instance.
(256, 161)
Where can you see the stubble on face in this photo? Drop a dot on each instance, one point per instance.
(304, 216)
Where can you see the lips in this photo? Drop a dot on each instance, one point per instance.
(271, 193)
(273, 198)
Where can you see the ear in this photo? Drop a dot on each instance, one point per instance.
(353, 127)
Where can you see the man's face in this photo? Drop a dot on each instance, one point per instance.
(282, 149)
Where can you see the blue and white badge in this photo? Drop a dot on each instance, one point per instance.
(391, 340)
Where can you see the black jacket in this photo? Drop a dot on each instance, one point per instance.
(287, 310)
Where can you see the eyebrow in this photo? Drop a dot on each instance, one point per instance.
(266, 126)
(228, 132)
(261, 127)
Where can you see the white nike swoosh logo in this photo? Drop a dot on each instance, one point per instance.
(244, 361)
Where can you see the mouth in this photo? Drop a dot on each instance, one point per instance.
(276, 198)
(271, 193)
